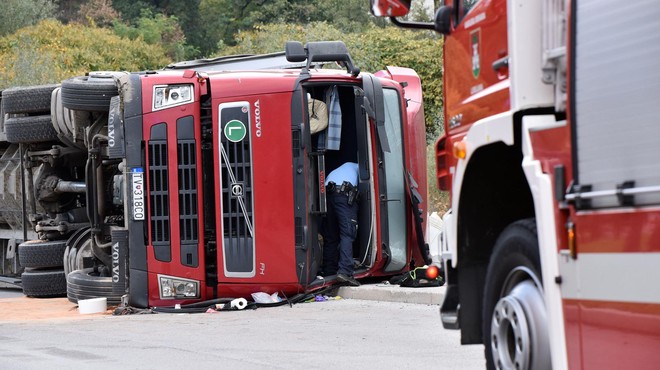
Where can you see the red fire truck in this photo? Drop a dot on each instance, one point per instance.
(551, 154)
(206, 179)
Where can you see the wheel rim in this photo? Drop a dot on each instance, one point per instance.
(519, 333)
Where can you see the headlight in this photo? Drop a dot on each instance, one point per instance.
(177, 288)
(167, 96)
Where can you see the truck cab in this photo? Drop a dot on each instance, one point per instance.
(205, 180)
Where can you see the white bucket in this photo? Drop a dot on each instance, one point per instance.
(93, 305)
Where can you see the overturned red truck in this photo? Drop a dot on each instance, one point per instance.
(206, 179)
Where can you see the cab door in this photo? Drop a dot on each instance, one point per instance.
(394, 190)
(476, 62)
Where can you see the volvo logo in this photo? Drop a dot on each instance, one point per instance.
(237, 190)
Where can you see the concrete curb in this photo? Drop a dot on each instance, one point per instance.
(394, 293)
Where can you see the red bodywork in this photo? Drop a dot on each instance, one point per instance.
(473, 89)
(600, 333)
(269, 95)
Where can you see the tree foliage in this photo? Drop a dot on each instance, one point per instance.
(227, 18)
(175, 17)
(372, 49)
(98, 13)
(50, 52)
(16, 14)
(174, 30)
(157, 29)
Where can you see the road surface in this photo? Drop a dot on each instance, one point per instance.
(340, 334)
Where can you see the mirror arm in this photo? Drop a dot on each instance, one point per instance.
(413, 25)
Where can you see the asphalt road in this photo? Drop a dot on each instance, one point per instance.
(341, 334)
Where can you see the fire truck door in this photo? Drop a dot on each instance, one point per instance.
(609, 279)
(476, 62)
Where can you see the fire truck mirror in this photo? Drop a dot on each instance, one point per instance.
(442, 21)
(390, 8)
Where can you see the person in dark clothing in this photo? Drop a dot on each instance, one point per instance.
(340, 229)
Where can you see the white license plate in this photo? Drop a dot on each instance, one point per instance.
(137, 191)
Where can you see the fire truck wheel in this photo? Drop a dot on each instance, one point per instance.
(32, 129)
(29, 99)
(44, 283)
(89, 93)
(515, 331)
(41, 253)
(86, 284)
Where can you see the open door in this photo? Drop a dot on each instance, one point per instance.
(393, 188)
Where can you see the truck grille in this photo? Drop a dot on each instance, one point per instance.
(236, 171)
(159, 193)
(187, 166)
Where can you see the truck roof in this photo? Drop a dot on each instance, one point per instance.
(240, 62)
(296, 56)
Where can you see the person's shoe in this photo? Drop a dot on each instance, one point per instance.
(349, 280)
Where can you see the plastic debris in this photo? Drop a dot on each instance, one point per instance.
(261, 297)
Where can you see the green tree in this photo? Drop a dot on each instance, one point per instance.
(188, 15)
(67, 10)
(50, 52)
(98, 12)
(131, 10)
(185, 11)
(157, 29)
(17, 14)
(224, 19)
(372, 49)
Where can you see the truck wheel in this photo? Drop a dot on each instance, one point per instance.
(44, 283)
(515, 331)
(86, 284)
(29, 99)
(33, 129)
(89, 93)
(41, 253)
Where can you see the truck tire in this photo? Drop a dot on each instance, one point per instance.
(28, 99)
(515, 331)
(32, 129)
(89, 93)
(41, 253)
(86, 284)
(44, 283)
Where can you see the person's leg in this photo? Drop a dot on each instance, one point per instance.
(330, 240)
(347, 223)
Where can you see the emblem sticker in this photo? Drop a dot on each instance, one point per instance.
(475, 41)
(237, 190)
(235, 131)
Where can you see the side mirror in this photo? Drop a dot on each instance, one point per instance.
(442, 21)
(390, 8)
(295, 52)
